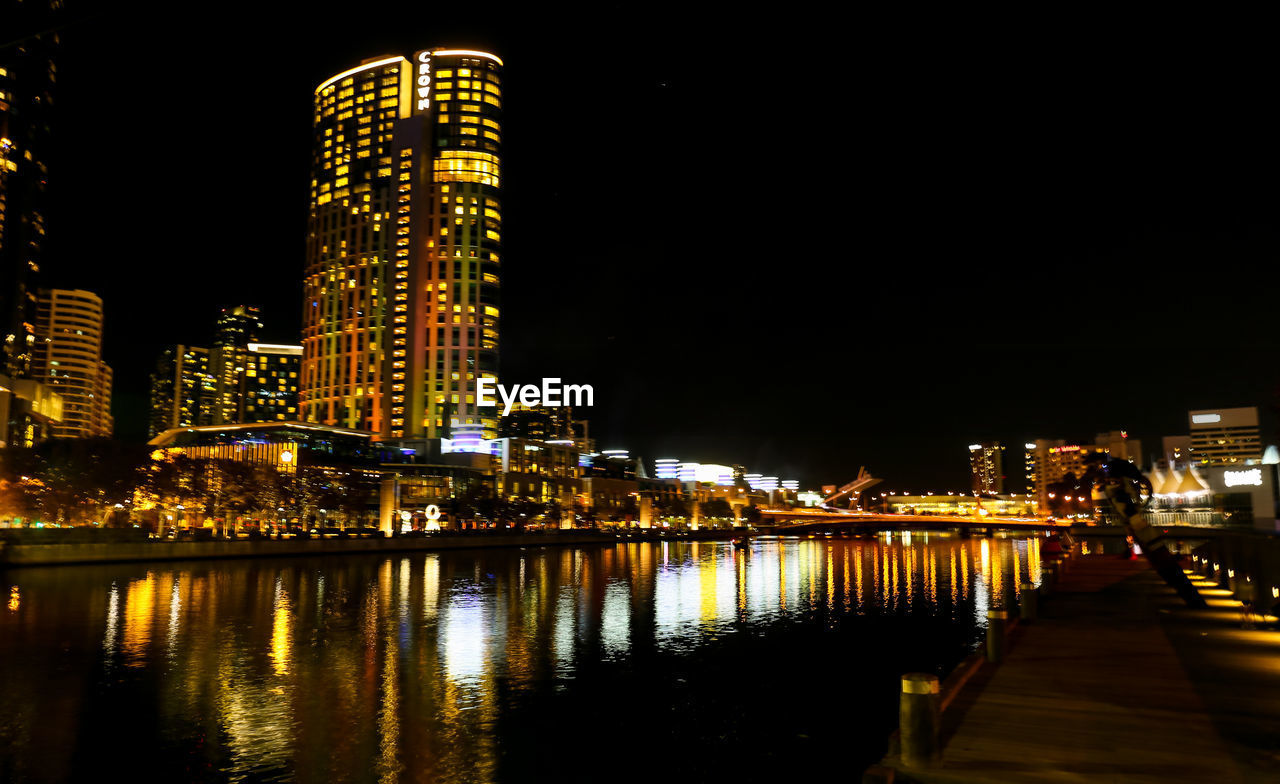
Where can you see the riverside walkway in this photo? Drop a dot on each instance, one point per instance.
(1116, 681)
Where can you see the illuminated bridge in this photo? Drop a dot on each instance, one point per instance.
(803, 521)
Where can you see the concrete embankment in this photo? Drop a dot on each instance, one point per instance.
(14, 552)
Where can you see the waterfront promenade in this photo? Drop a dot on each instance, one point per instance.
(18, 551)
(1116, 681)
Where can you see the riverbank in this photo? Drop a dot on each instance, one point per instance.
(44, 551)
(1115, 680)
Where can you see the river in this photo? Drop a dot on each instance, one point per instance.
(662, 662)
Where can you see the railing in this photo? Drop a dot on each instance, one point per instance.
(1245, 563)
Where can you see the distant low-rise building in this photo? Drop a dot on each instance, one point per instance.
(28, 412)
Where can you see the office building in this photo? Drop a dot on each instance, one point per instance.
(68, 358)
(1050, 461)
(234, 330)
(1118, 444)
(986, 467)
(236, 381)
(1226, 436)
(1175, 451)
(400, 310)
(182, 390)
(269, 384)
(28, 73)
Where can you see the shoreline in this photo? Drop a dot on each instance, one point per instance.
(18, 555)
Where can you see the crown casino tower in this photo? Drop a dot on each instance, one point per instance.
(403, 246)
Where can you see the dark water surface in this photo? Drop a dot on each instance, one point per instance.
(660, 662)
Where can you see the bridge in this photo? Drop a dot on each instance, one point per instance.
(805, 521)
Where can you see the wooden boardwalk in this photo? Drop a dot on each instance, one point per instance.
(1118, 682)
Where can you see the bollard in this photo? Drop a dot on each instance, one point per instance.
(995, 635)
(919, 716)
(1028, 606)
(1048, 575)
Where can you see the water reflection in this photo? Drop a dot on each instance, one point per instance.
(425, 667)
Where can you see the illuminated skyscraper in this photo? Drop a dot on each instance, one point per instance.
(986, 467)
(68, 358)
(236, 328)
(182, 390)
(27, 75)
(403, 247)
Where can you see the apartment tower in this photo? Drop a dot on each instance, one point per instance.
(400, 311)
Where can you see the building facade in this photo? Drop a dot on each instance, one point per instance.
(986, 467)
(28, 73)
(187, 389)
(269, 385)
(235, 329)
(28, 412)
(68, 358)
(1226, 436)
(1050, 461)
(400, 311)
(183, 390)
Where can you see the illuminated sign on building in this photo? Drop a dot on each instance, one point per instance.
(424, 81)
(1055, 450)
(1252, 476)
(1205, 419)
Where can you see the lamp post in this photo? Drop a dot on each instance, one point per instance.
(286, 459)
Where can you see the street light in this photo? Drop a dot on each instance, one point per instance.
(286, 457)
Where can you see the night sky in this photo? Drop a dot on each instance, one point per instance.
(804, 243)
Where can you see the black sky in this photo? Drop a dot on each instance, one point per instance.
(802, 241)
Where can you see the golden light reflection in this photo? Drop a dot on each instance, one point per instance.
(893, 577)
(857, 578)
(951, 556)
(281, 631)
(15, 599)
(139, 606)
(996, 582)
(1017, 570)
(909, 558)
(831, 579)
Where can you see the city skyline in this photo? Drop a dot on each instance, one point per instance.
(682, 338)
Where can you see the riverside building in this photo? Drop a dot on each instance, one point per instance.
(68, 359)
(1225, 436)
(400, 310)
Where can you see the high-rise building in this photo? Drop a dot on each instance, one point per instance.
(269, 391)
(235, 329)
(1118, 445)
(237, 381)
(986, 467)
(1049, 461)
(1226, 436)
(68, 358)
(400, 310)
(183, 390)
(27, 76)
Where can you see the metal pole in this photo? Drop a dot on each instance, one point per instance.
(995, 635)
(1029, 603)
(919, 717)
